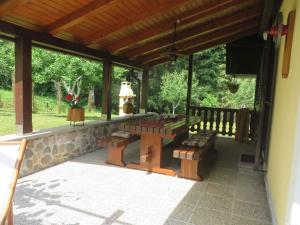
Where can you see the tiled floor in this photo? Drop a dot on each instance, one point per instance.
(86, 191)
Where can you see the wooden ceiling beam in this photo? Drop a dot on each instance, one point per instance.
(77, 16)
(7, 6)
(202, 47)
(186, 17)
(157, 62)
(207, 38)
(160, 9)
(196, 30)
(46, 40)
(225, 40)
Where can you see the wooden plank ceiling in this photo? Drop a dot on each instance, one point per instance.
(138, 29)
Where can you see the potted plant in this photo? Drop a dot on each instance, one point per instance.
(75, 112)
(232, 85)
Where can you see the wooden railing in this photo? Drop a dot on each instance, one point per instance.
(221, 120)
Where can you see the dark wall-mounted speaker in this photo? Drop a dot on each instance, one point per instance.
(244, 56)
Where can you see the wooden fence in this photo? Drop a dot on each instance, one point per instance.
(221, 120)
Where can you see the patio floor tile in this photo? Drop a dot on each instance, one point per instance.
(250, 210)
(237, 220)
(215, 202)
(209, 217)
(86, 191)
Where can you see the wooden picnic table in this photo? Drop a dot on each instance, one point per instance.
(152, 133)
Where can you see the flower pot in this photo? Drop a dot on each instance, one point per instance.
(75, 115)
(233, 87)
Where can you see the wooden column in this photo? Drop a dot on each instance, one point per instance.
(23, 85)
(189, 85)
(106, 89)
(145, 83)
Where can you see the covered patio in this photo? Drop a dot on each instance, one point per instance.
(64, 178)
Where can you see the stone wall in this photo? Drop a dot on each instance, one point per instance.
(57, 146)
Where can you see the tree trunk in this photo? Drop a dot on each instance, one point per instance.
(91, 99)
(58, 91)
(175, 107)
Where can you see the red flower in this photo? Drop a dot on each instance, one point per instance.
(77, 98)
(69, 97)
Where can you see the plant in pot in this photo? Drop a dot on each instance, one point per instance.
(232, 85)
(75, 112)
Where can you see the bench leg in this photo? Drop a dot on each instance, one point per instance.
(189, 169)
(115, 156)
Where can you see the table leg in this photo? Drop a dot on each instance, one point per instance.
(150, 155)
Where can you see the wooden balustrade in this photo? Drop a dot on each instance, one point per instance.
(221, 120)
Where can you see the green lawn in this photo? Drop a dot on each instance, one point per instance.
(40, 120)
(45, 117)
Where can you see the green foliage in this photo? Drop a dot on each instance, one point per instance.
(167, 84)
(49, 66)
(42, 104)
(209, 86)
(7, 63)
(119, 75)
(174, 88)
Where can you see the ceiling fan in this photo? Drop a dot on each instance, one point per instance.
(172, 52)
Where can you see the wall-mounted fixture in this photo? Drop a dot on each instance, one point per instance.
(276, 32)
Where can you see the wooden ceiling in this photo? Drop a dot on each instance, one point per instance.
(140, 30)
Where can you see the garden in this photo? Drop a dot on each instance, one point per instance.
(54, 75)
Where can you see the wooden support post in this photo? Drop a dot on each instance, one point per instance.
(145, 82)
(189, 86)
(106, 89)
(23, 85)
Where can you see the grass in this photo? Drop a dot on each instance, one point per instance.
(39, 120)
(45, 117)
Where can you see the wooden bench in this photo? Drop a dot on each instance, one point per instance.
(191, 156)
(116, 147)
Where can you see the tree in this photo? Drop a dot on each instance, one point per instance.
(174, 88)
(7, 63)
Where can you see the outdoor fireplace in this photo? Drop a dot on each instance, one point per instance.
(126, 96)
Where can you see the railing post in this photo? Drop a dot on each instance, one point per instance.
(106, 89)
(231, 120)
(224, 122)
(23, 85)
(211, 119)
(218, 120)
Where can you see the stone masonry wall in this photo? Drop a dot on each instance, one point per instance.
(50, 149)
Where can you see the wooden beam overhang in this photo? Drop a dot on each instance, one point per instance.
(77, 16)
(158, 10)
(224, 40)
(168, 26)
(196, 30)
(200, 47)
(7, 6)
(204, 38)
(46, 40)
